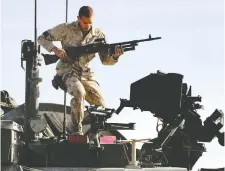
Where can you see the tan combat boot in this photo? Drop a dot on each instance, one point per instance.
(78, 129)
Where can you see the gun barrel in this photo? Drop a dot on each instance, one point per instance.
(134, 42)
(149, 39)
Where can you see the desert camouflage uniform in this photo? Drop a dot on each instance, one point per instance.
(78, 76)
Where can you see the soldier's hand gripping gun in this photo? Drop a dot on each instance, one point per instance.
(100, 45)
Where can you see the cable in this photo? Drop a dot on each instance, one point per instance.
(65, 91)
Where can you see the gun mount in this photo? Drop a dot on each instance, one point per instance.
(170, 100)
(97, 118)
(29, 52)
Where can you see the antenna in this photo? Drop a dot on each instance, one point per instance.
(35, 26)
(65, 91)
(66, 10)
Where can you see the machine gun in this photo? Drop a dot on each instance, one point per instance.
(100, 45)
(97, 119)
(170, 100)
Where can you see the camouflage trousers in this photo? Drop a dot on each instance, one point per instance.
(82, 90)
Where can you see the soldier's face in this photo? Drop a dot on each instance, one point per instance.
(85, 23)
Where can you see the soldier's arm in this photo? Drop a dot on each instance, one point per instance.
(57, 33)
(105, 58)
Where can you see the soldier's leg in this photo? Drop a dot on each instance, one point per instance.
(93, 93)
(76, 89)
(93, 96)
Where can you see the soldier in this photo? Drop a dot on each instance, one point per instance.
(77, 75)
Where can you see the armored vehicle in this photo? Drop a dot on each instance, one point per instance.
(39, 136)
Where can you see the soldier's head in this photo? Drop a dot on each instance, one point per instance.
(85, 18)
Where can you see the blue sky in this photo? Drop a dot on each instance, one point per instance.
(192, 44)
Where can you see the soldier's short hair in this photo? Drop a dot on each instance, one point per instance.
(85, 11)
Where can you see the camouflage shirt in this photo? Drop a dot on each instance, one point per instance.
(70, 34)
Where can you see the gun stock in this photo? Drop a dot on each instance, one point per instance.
(50, 59)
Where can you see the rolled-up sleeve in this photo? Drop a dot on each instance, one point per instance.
(57, 33)
(105, 58)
